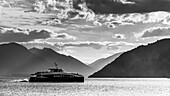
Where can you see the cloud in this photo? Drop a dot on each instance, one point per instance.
(130, 19)
(119, 36)
(40, 44)
(61, 36)
(125, 1)
(96, 23)
(65, 36)
(52, 22)
(121, 43)
(19, 35)
(30, 1)
(60, 46)
(132, 11)
(121, 46)
(127, 6)
(95, 45)
(4, 3)
(63, 10)
(116, 22)
(153, 17)
(156, 32)
(26, 35)
(14, 30)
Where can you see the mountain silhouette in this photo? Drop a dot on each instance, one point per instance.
(68, 63)
(100, 63)
(17, 60)
(152, 60)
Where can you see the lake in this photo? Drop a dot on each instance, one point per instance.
(91, 87)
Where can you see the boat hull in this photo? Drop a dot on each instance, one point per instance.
(58, 79)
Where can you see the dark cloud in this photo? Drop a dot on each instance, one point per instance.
(30, 1)
(156, 32)
(116, 6)
(64, 36)
(61, 36)
(12, 36)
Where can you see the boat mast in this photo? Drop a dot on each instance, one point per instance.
(56, 65)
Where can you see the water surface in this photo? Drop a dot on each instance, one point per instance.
(91, 87)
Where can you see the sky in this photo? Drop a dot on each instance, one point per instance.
(85, 30)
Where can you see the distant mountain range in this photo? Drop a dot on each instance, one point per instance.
(152, 60)
(15, 60)
(99, 64)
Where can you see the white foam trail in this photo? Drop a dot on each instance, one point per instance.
(20, 80)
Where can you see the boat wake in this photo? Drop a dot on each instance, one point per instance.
(20, 80)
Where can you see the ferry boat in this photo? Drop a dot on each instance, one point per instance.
(56, 75)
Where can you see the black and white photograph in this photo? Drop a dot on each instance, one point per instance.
(84, 47)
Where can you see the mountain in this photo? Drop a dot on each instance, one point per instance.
(68, 63)
(152, 60)
(16, 59)
(99, 64)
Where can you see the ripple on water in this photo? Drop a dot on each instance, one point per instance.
(91, 87)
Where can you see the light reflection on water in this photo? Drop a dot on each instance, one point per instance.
(91, 87)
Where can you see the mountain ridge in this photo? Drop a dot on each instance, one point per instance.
(17, 59)
(66, 62)
(100, 63)
(148, 61)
